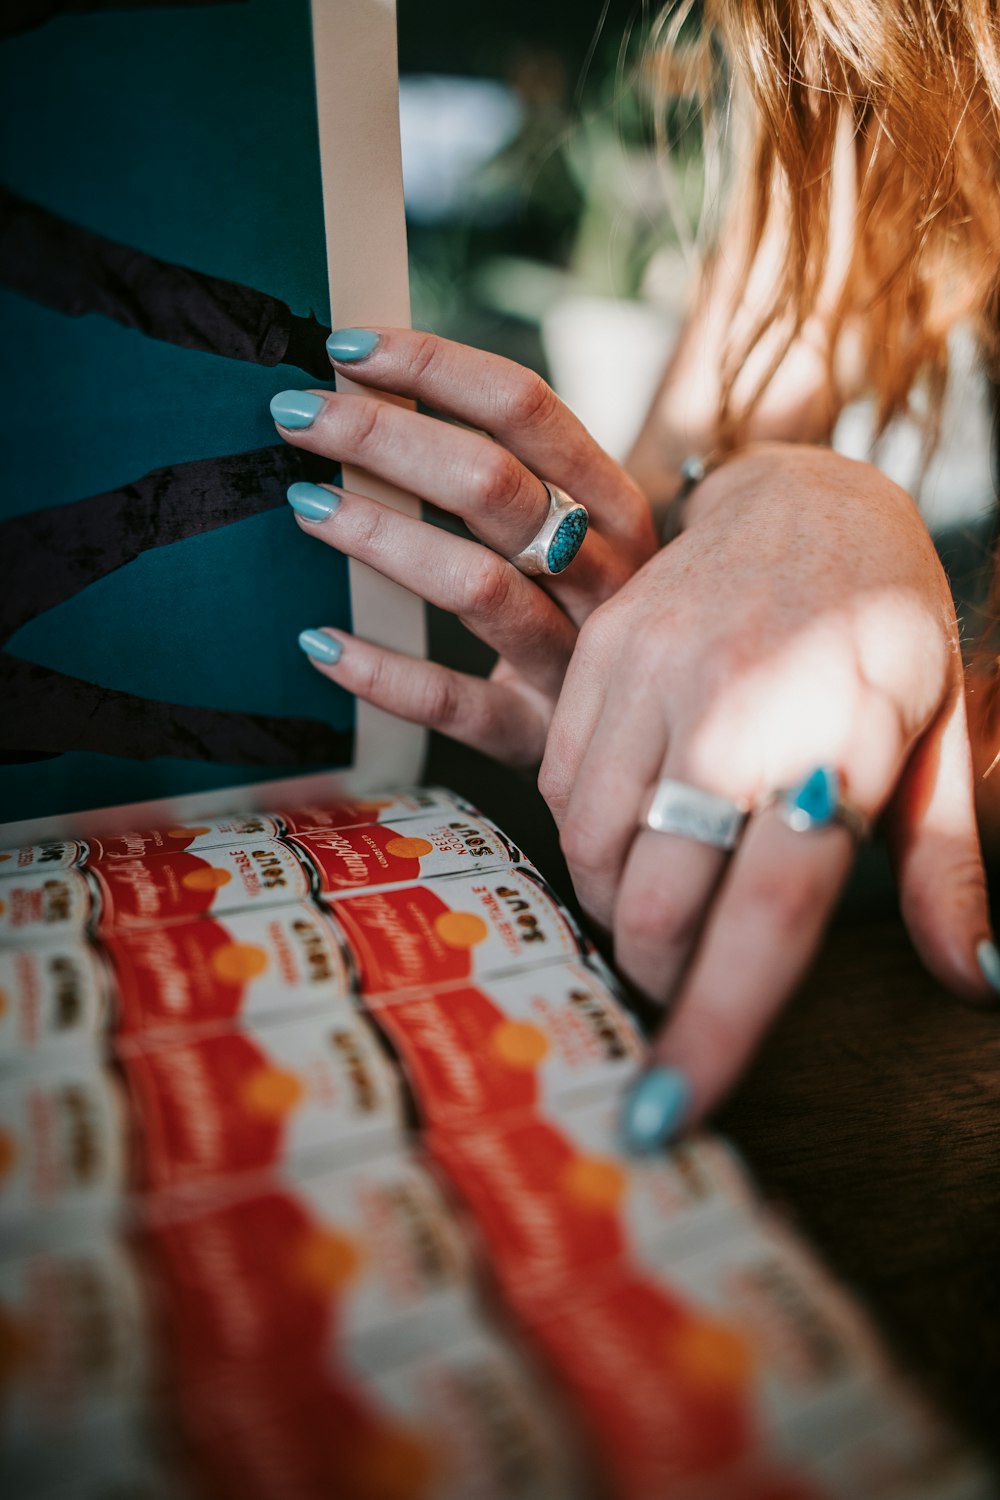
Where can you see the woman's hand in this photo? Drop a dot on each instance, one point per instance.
(493, 484)
(801, 620)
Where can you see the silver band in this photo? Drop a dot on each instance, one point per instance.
(558, 539)
(676, 807)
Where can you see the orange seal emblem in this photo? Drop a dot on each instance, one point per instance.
(238, 963)
(594, 1182)
(520, 1044)
(461, 929)
(272, 1092)
(403, 848)
(208, 879)
(187, 833)
(326, 1260)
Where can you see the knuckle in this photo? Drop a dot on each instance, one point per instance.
(580, 848)
(440, 702)
(370, 527)
(526, 400)
(487, 586)
(554, 784)
(496, 479)
(361, 422)
(425, 355)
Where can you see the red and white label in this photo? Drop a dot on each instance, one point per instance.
(54, 854)
(52, 994)
(190, 838)
(374, 807)
(43, 907)
(553, 1033)
(252, 965)
(156, 888)
(556, 1198)
(299, 1094)
(364, 1262)
(452, 930)
(378, 854)
(61, 1145)
(76, 1313)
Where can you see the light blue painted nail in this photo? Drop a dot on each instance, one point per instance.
(312, 502)
(320, 646)
(654, 1109)
(349, 344)
(989, 962)
(296, 409)
(817, 797)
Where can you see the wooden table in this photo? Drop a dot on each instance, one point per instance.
(871, 1115)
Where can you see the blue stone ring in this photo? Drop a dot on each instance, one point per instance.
(817, 802)
(558, 539)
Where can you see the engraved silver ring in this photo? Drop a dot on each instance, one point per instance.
(676, 807)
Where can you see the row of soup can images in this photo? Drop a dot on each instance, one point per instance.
(310, 1185)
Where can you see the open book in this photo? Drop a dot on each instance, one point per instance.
(310, 1184)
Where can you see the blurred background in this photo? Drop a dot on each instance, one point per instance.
(545, 226)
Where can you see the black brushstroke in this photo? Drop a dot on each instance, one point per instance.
(48, 713)
(76, 272)
(50, 555)
(25, 15)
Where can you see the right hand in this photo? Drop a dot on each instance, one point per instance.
(493, 486)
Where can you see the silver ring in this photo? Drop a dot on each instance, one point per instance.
(817, 802)
(676, 807)
(558, 539)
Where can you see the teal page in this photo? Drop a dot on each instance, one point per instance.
(162, 275)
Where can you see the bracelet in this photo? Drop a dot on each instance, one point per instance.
(693, 470)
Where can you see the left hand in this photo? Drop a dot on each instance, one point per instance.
(492, 483)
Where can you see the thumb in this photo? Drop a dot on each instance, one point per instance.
(934, 845)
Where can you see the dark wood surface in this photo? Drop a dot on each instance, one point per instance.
(870, 1116)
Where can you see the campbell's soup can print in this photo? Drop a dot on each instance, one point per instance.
(485, 1423)
(54, 854)
(479, 1052)
(62, 1147)
(664, 1391)
(156, 888)
(300, 1094)
(180, 838)
(377, 854)
(556, 1199)
(460, 928)
(76, 1314)
(366, 1262)
(373, 807)
(270, 963)
(46, 906)
(51, 995)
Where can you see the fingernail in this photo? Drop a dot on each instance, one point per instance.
(311, 501)
(348, 344)
(296, 408)
(989, 963)
(654, 1109)
(320, 646)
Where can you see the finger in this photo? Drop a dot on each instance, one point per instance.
(662, 900)
(608, 793)
(577, 713)
(493, 717)
(495, 601)
(763, 929)
(462, 472)
(514, 404)
(934, 843)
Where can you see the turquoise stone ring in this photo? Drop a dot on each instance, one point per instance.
(817, 801)
(558, 539)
